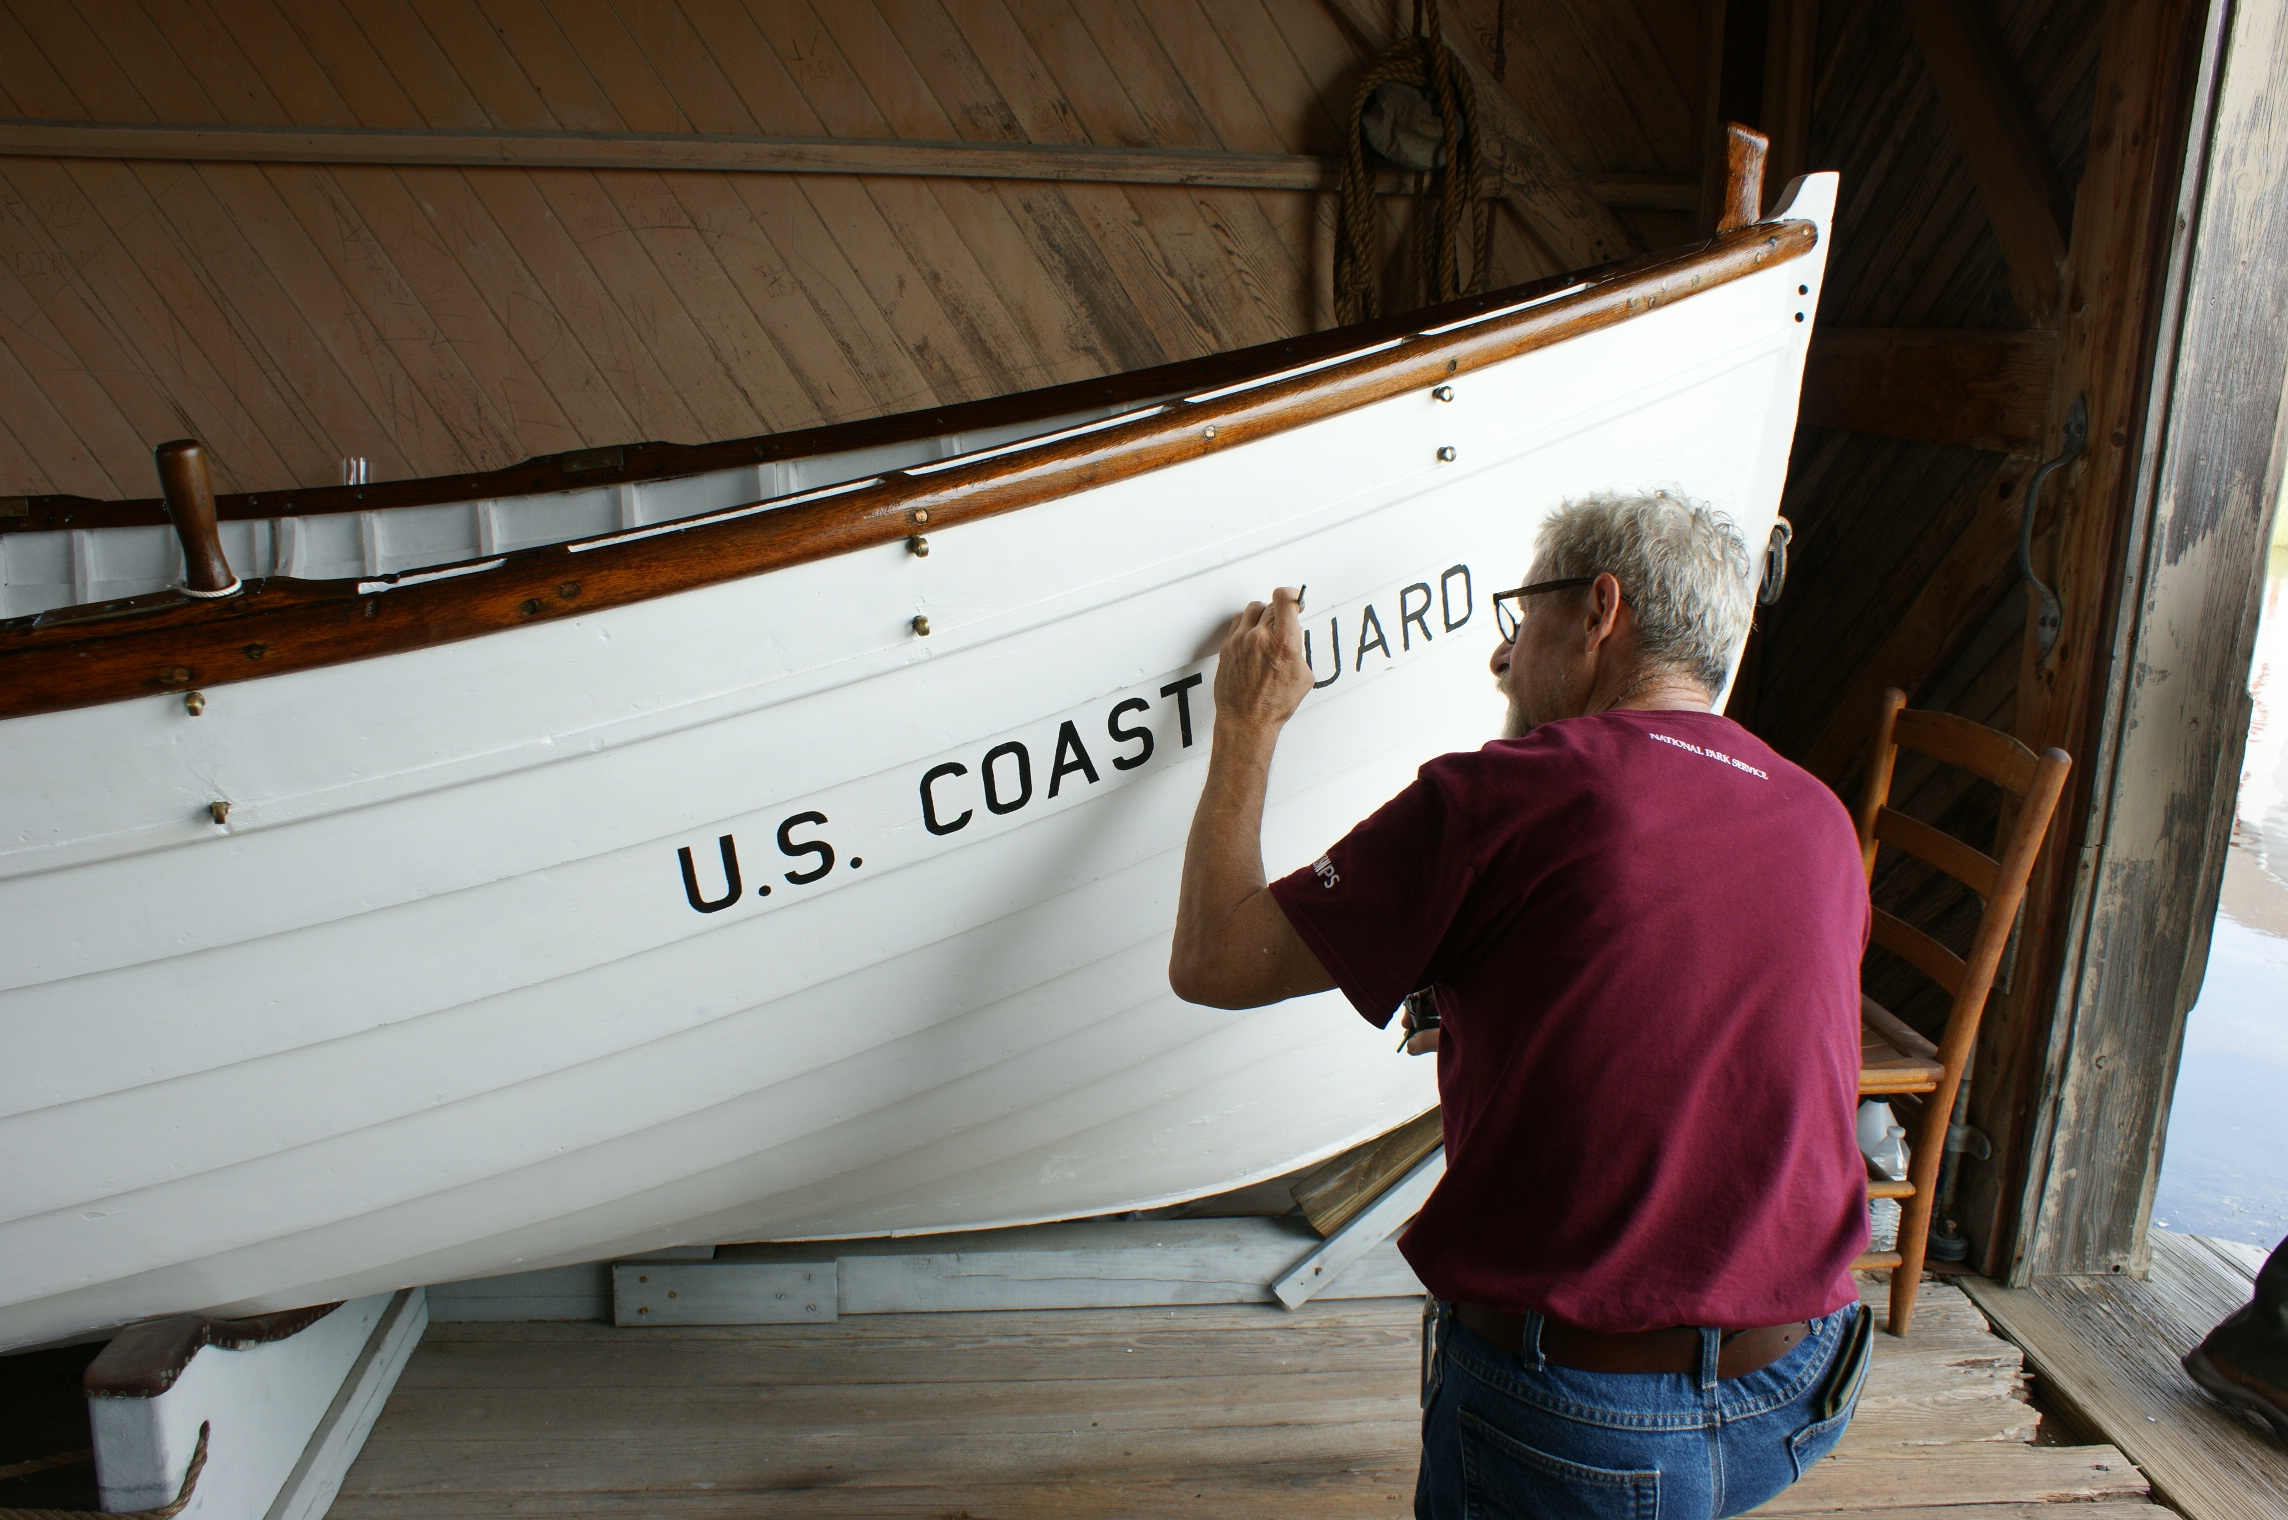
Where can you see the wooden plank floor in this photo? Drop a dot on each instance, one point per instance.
(2108, 1346)
(1226, 1411)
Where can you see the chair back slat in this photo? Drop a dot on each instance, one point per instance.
(1974, 868)
(1974, 747)
(1918, 949)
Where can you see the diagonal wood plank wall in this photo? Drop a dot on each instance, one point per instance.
(436, 320)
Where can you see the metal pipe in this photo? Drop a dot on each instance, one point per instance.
(2050, 621)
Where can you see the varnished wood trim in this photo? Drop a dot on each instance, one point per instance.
(1880, 761)
(1974, 868)
(75, 657)
(1744, 149)
(189, 494)
(144, 1360)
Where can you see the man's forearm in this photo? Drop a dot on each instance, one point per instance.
(1233, 945)
(1223, 858)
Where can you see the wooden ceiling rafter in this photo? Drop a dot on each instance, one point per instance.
(668, 152)
(2024, 196)
(1984, 389)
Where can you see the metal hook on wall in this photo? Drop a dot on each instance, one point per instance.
(2050, 620)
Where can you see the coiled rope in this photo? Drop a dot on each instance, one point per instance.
(163, 1512)
(1422, 62)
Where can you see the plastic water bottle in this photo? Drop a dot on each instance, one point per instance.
(1883, 1141)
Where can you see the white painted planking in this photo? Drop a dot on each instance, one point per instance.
(434, 1005)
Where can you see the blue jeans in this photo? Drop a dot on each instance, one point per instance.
(1509, 1436)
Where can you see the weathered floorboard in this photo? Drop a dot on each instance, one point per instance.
(1226, 1410)
(2108, 1347)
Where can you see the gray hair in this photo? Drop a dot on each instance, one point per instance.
(1683, 566)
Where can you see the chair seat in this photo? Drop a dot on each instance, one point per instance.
(1893, 1058)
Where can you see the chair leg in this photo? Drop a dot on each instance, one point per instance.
(1915, 1213)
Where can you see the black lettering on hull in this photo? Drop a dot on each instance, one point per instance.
(1413, 617)
(1122, 735)
(993, 799)
(1182, 692)
(1446, 597)
(1334, 646)
(789, 846)
(730, 872)
(930, 778)
(1368, 621)
(1072, 758)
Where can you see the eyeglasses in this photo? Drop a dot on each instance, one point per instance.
(1508, 622)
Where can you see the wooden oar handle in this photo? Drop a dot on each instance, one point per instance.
(1743, 176)
(189, 492)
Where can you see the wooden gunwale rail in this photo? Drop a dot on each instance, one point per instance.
(165, 642)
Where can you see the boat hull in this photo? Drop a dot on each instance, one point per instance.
(465, 983)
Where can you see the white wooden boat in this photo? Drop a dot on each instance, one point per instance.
(616, 867)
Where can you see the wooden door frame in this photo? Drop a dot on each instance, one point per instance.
(2162, 752)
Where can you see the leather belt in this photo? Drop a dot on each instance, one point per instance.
(1676, 1350)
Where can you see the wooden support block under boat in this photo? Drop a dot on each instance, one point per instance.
(1338, 1190)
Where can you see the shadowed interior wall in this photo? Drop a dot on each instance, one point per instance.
(435, 320)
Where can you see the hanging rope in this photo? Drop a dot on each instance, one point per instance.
(1415, 81)
(163, 1512)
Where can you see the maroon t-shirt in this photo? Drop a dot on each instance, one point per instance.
(1644, 931)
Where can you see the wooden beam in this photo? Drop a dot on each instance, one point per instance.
(1791, 67)
(2159, 559)
(2130, 229)
(1545, 192)
(1338, 1190)
(693, 152)
(1325, 1263)
(2018, 183)
(665, 151)
(1986, 390)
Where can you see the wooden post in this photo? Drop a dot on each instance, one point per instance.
(2163, 574)
(189, 493)
(2125, 215)
(1743, 176)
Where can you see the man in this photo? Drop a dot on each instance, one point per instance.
(2244, 1361)
(1641, 929)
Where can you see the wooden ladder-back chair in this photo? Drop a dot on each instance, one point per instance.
(1894, 1058)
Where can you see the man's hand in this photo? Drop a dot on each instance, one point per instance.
(1233, 946)
(1260, 677)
